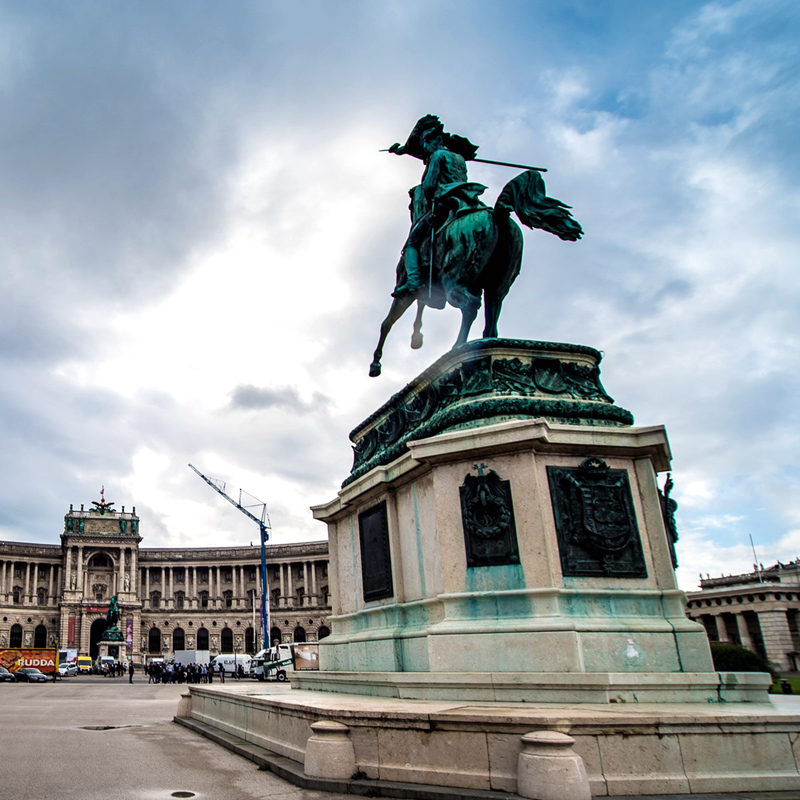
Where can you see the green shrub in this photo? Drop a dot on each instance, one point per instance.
(729, 657)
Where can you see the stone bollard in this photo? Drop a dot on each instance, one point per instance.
(185, 706)
(329, 751)
(548, 769)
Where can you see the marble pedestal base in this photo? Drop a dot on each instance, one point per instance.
(626, 748)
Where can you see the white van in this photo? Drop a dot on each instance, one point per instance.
(104, 662)
(275, 663)
(231, 662)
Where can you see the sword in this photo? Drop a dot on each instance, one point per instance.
(488, 161)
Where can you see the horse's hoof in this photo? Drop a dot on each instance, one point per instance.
(375, 369)
(416, 341)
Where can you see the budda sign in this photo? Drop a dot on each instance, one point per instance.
(17, 658)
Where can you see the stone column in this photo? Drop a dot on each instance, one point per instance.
(121, 571)
(79, 570)
(27, 585)
(68, 570)
(722, 631)
(2, 577)
(282, 598)
(289, 586)
(744, 633)
(50, 598)
(170, 600)
(146, 597)
(193, 603)
(314, 581)
(235, 586)
(777, 637)
(306, 597)
(134, 571)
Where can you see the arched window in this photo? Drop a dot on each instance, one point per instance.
(226, 640)
(228, 597)
(100, 560)
(275, 636)
(202, 639)
(203, 599)
(154, 641)
(41, 597)
(299, 634)
(178, 640)
(15, 639)
(40, 636)
(323, 632)
(179, 596)
(249, 641)
(155, 599)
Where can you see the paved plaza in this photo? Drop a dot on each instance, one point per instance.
(94, 738)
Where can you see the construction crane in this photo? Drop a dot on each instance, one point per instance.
(264, 527)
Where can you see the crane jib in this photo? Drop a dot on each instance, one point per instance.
(263, 529)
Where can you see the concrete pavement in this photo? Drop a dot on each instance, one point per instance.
(95, 738)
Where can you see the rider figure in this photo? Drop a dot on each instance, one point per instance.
(445, 191)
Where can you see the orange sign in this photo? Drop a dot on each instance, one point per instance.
(17, 658)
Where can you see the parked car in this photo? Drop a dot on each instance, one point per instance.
(68, 670)
(5, 675)
(30, 675)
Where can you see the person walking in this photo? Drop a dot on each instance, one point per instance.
(130, 672)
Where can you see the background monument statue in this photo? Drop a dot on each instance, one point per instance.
(459, 250)
(112, 633)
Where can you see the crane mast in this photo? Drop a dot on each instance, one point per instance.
(264, 527)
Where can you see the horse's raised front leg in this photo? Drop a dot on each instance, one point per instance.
(416, 336)
(397, 309)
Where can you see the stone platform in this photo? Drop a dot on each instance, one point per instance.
(505, 603)
(627, 749)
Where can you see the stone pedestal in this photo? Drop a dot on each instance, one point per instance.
(112, 647)
(506, 616)
(519, 553)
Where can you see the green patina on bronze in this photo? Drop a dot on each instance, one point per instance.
(459, 250)
(112, 633)
(487, 381)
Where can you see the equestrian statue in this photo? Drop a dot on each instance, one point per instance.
(460, 250)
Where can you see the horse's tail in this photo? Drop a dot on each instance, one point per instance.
(525, 196)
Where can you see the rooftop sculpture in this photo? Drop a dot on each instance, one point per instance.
(459, 250)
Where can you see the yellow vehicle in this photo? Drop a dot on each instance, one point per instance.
(84, 664)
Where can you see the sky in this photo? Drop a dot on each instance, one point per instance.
(200, 238)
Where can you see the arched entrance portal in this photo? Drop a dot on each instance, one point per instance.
(95, 635)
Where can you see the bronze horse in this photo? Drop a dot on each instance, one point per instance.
(479, 255)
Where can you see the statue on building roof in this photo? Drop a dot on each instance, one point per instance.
(102, 504)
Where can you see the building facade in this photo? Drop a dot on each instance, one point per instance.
(760, 610)
(170, 598)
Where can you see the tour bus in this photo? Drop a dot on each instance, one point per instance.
(278, 660)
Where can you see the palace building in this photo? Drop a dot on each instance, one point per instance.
(760, 610)
(170, 599)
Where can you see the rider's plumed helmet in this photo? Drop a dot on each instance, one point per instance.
(429, 126)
